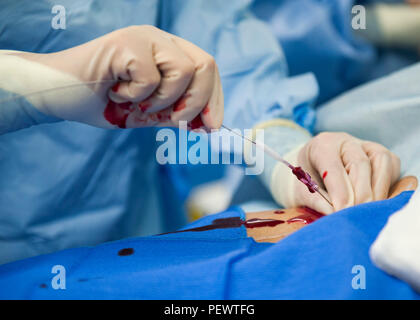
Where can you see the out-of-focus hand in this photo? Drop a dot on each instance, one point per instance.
(137, 76)
(352, 171)
(413, 2)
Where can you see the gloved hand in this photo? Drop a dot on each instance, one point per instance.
(351, 170)
(134, 77)
(413, 2)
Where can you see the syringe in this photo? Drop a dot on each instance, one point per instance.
(300, 174)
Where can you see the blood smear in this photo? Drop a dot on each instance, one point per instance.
(115, 87)
(126, 252)
(279, 212)
(181, 103)
(196, 123)
(308, 216)
(258, 223)
(206, 109)
(144, 106)
(234, 222)
(117, 113)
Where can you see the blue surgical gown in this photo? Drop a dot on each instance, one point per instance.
(316, 262)
(316, 36)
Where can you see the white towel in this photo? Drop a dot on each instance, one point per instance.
(397, 247)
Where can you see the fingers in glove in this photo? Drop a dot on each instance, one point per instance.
(385, 169)
(205, 94)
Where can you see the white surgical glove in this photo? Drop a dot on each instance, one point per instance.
(133, 77)
(350, 170)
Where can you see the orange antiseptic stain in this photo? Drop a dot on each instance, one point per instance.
(324, 174)
(181, 103)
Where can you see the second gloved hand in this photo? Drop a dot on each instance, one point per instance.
(352, 171)
(134, 77)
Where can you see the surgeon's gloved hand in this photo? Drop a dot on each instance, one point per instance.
(413, 2)
(351, 170)
(133, 77)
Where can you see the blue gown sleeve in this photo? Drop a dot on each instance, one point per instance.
(17, 113)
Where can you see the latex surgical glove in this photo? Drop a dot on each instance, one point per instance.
(133, 77)
(352, 171)
(413, 2)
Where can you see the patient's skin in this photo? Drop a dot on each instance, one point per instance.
(278, 232)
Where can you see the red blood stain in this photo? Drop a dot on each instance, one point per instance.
(308, 216)
(116, 113)
(234, 222)
(140, 120)
(126, 252)
(181, 103)
(257, 223)
(206, 109)
(279, 212)
(324, 174)
(144, 106)
(163, 116)
(305, 178)
(124, 105)
(196, 123)
(116, 87)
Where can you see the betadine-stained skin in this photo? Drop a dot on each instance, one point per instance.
(308, 216)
